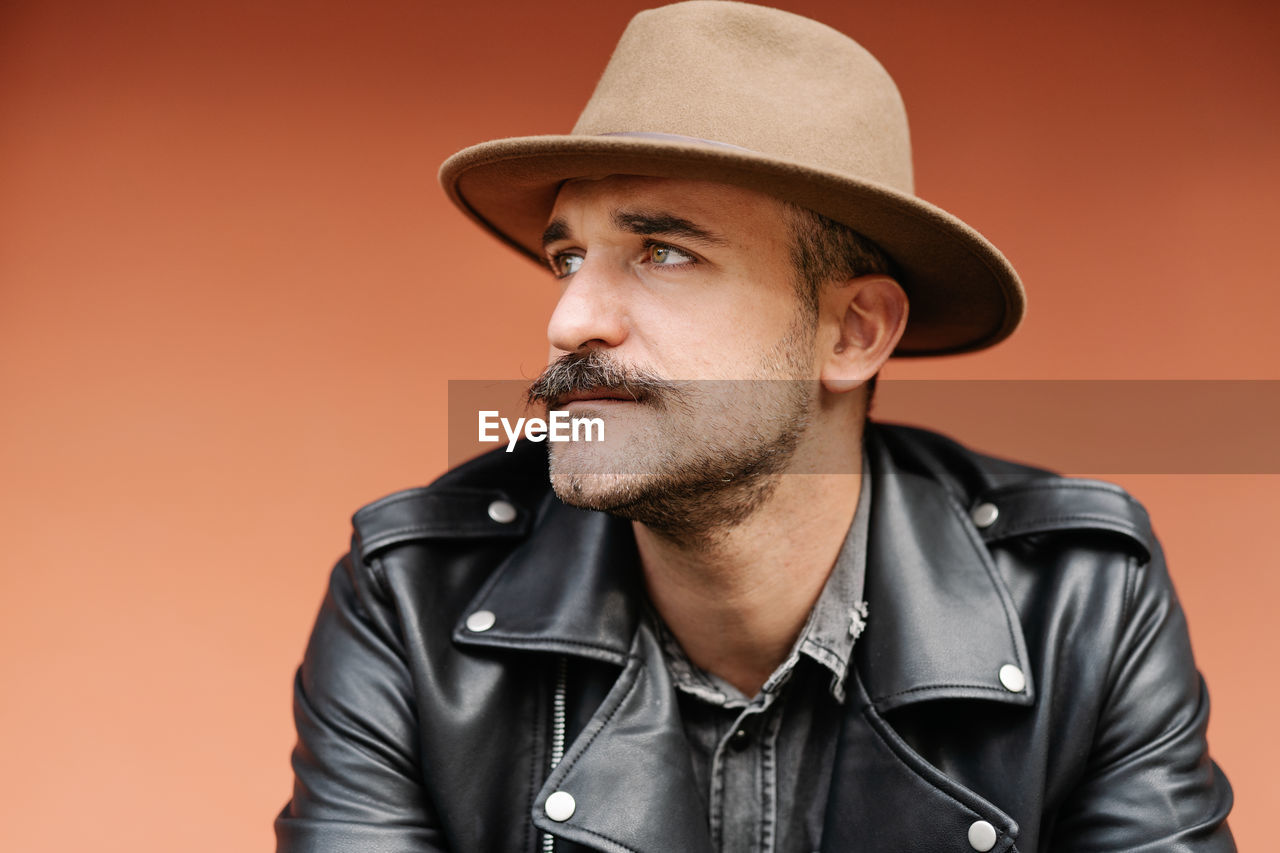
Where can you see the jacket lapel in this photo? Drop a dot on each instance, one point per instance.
(885, 797)
(573, 587)
(630, 772)
(942, 624)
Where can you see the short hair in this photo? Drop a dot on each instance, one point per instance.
(823, 251)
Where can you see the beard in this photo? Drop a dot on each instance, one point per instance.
(696, 458)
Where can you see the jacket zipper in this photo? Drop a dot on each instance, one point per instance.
(557, 735)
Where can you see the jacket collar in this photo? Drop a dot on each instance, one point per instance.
(941, 624)
(573, 587)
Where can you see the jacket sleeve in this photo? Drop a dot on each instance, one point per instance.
(1150, 784)
(357, 780)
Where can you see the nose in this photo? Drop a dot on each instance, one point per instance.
(590, 313)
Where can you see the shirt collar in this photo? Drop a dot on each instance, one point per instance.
(840, 615)
(837, 619)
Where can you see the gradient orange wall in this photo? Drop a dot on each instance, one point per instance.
(231, 296)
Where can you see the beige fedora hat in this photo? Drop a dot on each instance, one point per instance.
(774, 102)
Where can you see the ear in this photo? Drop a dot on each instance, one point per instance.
(865, 319)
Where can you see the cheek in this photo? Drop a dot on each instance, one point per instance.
(721, 338)
(756, 313)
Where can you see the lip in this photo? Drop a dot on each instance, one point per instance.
(593, 397)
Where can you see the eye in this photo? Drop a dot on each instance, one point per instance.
(565, 264)
(668, 256)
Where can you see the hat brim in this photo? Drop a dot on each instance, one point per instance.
(964, 295)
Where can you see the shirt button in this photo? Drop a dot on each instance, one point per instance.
(982, 836)
(985, 514)
(739, 740)
(502, 512)
(560, 806)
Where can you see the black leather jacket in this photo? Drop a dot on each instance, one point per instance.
(416, 733)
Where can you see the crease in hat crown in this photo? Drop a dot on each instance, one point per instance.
(775, 102)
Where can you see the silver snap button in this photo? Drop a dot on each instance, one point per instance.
(481, 620)
(1012, 678)
(502, 512)
(985, 515)
(982, 836)
(560, 806)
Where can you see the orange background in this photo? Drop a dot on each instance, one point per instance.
(231, 296)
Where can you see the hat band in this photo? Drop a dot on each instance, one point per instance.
(675, 137)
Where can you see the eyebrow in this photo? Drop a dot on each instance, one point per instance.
(558, 229)
(646, 223)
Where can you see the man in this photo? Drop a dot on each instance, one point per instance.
(749, 620)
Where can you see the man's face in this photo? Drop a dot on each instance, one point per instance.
(679, 324)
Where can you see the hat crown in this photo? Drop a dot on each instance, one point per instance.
(753, 97)
(758, 78)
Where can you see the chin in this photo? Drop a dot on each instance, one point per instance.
(695, 496)
(603, 492)
(598, 476)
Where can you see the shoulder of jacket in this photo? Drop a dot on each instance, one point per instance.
(1008, 500)
(1063, 504)
(493, 496)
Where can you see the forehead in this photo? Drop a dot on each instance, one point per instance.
(735, 212)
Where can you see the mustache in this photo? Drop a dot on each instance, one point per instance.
(594, 371)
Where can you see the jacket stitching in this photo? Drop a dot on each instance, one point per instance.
(605, 722)
(1054, 519)
(568, 767)
(906, 760)
(1104, 522)
(909, 758)
(1065, 484)
(947, 686)
(543, 643)
(486, 590)
(601, 835)
(453, 528)
(427, 492)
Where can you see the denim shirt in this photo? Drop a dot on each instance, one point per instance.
(764, 764)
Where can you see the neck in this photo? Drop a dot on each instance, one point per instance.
(737, 601)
